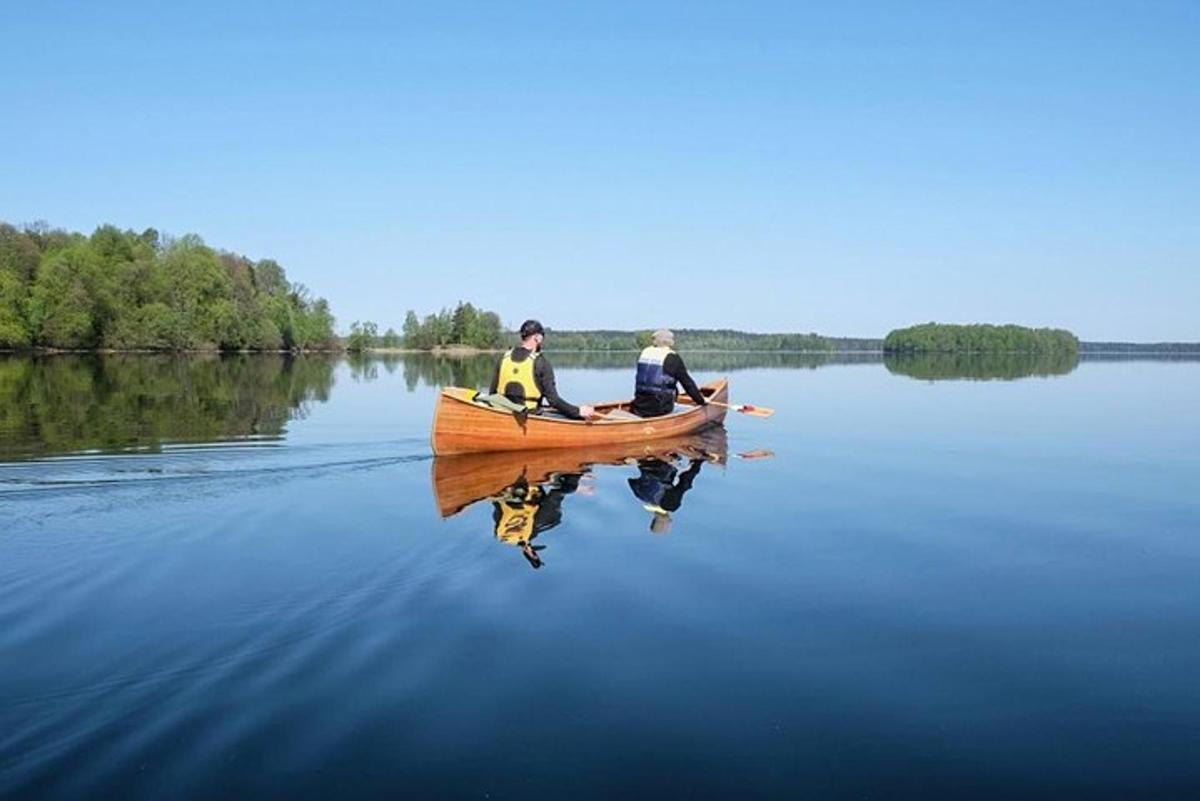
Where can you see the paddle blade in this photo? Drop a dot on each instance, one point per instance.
(755, 411)
(757, 454)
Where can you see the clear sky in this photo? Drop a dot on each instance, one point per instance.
(840, 167)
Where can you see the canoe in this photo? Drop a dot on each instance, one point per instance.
(462, 426)
(463, 479)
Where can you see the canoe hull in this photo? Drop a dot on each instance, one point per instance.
(460, 426)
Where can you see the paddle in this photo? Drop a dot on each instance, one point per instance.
(745, 408)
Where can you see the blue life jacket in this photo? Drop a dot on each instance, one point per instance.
(653, 481)
(651, 379)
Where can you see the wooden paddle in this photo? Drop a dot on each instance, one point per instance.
(745, 408)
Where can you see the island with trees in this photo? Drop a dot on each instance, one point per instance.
(123, 290)
(464, 328)
(941, 338)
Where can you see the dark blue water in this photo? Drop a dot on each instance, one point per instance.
(239, 584)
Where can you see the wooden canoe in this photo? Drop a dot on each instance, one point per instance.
(462, 426)
(463, 479)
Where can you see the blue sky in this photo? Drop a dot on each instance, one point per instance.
(843, 167)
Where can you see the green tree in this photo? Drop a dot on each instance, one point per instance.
(270, 277)
(14, 327)
(19, 254)
(412, 330)
(194, 282)
(71, 301)
(362, 336)
(463, 322)
(485, 331)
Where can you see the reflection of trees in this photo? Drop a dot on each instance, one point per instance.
(981, 366)
(448, 371)
(65, 404)
(476, 370)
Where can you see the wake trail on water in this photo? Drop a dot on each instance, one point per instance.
(242, 461)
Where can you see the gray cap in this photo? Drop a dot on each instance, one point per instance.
(663, 338)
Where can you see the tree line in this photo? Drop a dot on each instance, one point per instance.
(464, 326)
(696, 339)
(468, 326)
(144, 291)
(939, 338)
(1168, 348)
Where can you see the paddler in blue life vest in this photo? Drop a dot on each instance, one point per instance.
(660, 487)
(659, 369)
(524, 376)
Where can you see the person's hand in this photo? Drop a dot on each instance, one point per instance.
(587, 412)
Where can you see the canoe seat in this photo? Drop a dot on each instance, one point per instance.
(621, 414)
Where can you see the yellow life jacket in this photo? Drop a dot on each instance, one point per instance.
(516, 380)
(515, 525)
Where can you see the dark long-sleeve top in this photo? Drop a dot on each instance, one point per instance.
(661, 484)
(645, 405)
(543, 375)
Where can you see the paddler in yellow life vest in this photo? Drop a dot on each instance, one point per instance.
(524, 510)
(659, 369)
(524, 376)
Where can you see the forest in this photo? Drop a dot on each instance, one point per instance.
(124, 290)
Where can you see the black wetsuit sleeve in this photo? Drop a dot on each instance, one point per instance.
(673, 498)
(566, 483)
(674, 367)
(549, 512)
(543, 374)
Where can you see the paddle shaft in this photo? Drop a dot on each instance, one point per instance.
(753, 411)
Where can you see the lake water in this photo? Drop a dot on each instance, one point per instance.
(233, 578)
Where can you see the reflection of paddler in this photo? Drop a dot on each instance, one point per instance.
(523, 511)
(660, 487)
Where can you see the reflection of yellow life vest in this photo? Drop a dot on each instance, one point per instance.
(517, 381)
(515, 525)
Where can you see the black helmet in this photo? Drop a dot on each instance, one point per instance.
(531, 327)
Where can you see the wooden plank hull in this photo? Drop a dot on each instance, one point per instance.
(463, 479)
(461, 426)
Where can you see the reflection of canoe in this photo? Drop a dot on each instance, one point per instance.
(460, 480)
(460, 426)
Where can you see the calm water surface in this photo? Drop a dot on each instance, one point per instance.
(233, 578)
